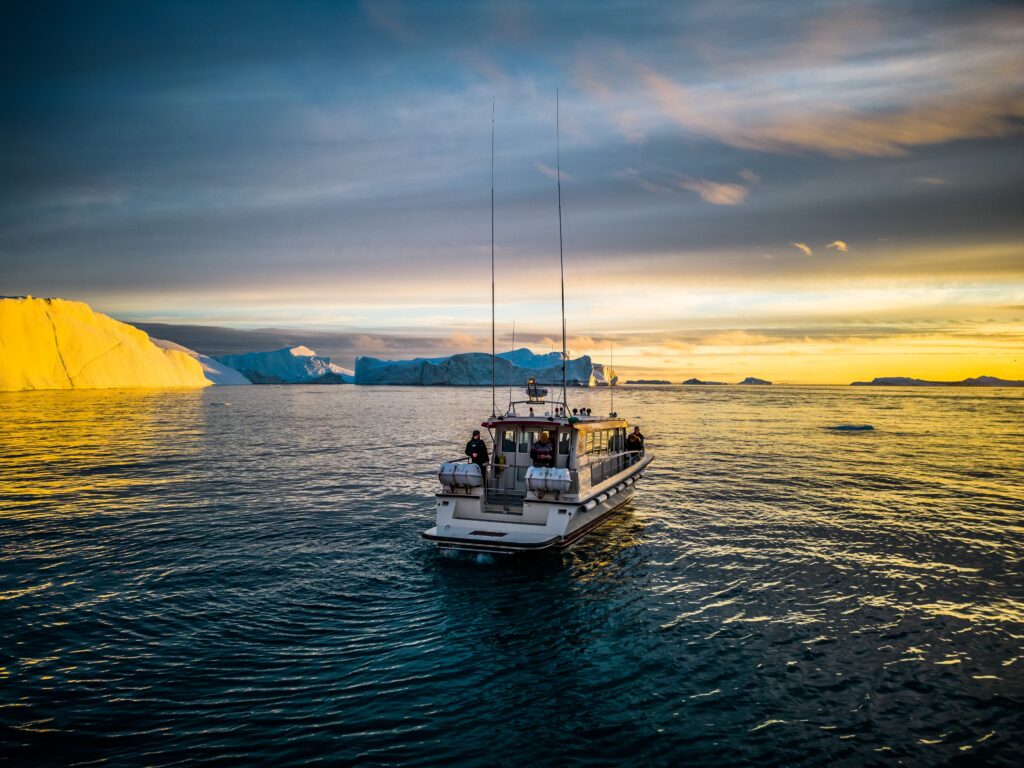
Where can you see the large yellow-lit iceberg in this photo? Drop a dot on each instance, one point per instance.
(58, 344)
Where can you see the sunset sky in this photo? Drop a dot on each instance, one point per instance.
(811, 192)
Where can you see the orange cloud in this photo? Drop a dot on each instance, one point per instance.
(839, 245)
(803, 248)
(791, 102)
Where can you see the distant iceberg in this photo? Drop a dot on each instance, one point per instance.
(648, 381)
(474, 369)
(605, 375)
(59, 344)
(291, 365)
(214, 370)
(703, 383)
(756, 382)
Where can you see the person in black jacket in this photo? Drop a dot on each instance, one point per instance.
(635, 442)
(476, 449)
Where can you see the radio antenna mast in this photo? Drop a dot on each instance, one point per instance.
(611, 372)
(494, 397)
(513, 349)
(561, 257)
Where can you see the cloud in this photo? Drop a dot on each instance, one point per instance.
(387, 16)
(551, 173)
(830, 91)
(737, 338)
(839, 245)
(464, 342)
(803, 248)
(715, 192)
(749, 176)
(930, 181)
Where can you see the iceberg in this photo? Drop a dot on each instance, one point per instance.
(474, 369)
(214, 371)
(605, 375)
(527, 358)
(703, 383)
(60, 344)
(291, 365)
(753, 380)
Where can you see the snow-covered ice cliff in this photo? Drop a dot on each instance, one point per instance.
(291, 365)
(474, 369)
(59, 344)
(214, 370)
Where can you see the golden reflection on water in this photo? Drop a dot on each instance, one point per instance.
(62, 448)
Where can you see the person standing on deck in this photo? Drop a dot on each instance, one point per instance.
(543, 451)
(635, 443)
(476, 449)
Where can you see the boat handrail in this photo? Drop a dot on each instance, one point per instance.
(496, 472)
(463, 460)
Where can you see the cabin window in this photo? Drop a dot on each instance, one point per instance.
(526, 440)
(589, 444)
(508, 441)
(564, 439)
(521, 473)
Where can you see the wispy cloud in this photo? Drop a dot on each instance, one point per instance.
(965, 85)
(715, 192)
(931, 181)
(804, 248)
(839, 245)
(551, 173)
(386, 15)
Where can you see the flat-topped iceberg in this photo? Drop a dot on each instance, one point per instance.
(214, 371)
(58, 344)
(474, 369)
(291, 365)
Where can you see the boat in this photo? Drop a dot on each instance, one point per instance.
(508, 505)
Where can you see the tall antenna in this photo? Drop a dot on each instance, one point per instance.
(513, 349)
(561, 257)
(611, 372)
(494, 397)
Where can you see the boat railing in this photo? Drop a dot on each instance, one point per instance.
(607, 466)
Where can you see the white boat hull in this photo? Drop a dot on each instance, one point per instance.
(464, 522)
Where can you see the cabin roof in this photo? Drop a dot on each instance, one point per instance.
(600, 422)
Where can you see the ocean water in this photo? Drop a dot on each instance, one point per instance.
(235, 576)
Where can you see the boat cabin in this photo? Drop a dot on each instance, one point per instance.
(592, 449)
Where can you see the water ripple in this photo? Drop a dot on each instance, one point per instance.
(236, 577)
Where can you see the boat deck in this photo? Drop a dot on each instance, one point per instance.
(501, 501)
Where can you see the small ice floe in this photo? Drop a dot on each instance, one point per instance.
(851, 428)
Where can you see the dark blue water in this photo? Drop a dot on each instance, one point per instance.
(234, 576)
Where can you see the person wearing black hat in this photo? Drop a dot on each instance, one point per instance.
(635, 444)
(476, 449)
